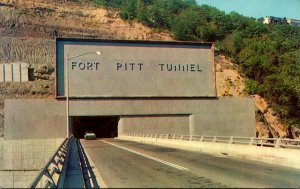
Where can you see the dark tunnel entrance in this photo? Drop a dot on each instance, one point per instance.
(102, 126)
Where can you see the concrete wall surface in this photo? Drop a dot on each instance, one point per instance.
(34, 119)
(21, 160)
(154, 124)
(135, 69)
(276, 156)
(43, 118)
(27, 154)
(16, 179)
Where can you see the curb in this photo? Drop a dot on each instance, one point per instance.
(283, 157)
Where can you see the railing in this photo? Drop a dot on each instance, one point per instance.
(48, 176)
(264, 142)
(89, 177)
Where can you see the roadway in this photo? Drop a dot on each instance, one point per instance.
(129, 164)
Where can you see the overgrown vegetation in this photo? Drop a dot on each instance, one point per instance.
(268, 55)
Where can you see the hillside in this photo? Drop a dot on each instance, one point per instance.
(268, 123)
(27, 34)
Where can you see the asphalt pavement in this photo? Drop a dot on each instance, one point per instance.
(130, 164)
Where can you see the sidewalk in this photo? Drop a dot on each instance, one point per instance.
(276, 156)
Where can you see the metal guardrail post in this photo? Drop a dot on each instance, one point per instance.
(201, 139)
(251, 142)
(278, 143)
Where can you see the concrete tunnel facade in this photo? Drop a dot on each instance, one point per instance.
(116, 87)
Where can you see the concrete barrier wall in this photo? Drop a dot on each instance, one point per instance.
(42, 118)
(14, 72)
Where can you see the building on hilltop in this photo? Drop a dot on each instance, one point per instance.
(277, 20)
(274, 20)
(293, 22)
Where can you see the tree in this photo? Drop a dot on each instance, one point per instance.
(185, 25)
(142, 12)
(239, 22)
(128, 9)
(207, 32)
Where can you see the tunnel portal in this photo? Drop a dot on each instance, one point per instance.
(102, 126)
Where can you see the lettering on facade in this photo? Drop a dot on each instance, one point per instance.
(180, 67)
(138, 66)
(85, 65)
(129, 66)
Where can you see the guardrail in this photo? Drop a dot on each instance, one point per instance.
(48, 176)
(264, 142)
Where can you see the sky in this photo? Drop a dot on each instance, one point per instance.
(258, 8)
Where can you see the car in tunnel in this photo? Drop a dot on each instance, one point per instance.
(89, 135)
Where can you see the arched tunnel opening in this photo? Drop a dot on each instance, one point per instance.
(102, 126)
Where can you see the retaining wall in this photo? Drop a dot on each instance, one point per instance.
(20, 160)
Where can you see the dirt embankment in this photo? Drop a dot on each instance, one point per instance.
(59, 18)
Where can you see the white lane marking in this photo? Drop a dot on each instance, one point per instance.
(149, 157)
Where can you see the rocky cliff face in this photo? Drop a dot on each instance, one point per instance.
(269, 124)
